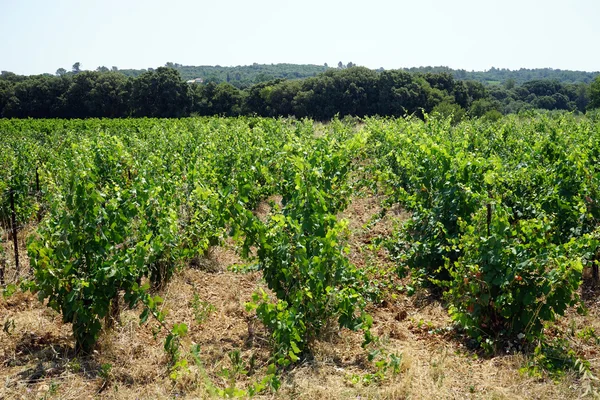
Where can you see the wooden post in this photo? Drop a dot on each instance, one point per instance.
(38, 195)
(489, 218)
(15, 230)
(112, 317)
(37, 182)
(2, 266)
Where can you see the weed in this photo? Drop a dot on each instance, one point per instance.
(202, 309)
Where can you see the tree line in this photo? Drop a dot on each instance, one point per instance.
(242, 76)
(353, 90)
(495, 76)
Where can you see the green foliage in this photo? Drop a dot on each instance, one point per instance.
(492, 115)
(438, 185)
(202, 309)
(103, 235)
(504, 75)
(241, 76)
(301, 253)
(238, 368)
(284, 90)
(589, 335)
(75, 259)
(449, 110)
(510, 278)
(19, 158)
(161, 93)
(554, 358)
(172, 344)
(105, 372)
(503, 217)
(595, 94)
(503, 214)
(385, 364)
(232, 373)
(129, 201)
(480, 108)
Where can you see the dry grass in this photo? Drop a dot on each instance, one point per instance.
(11, 274)
(37, 359)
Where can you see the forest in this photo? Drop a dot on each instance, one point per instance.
(346, 90)
(246, 75)
(240, 76)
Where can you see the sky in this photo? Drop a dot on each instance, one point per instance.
(40, 36)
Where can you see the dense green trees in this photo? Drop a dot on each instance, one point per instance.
(355, 91)
(6, 92)
(399, 93)
(542, 94)
(351, 91)
(160, 93)
(239, 76)
(595, 93)
(37, 97)
(217, 99)
(109, 95)
(78, 100)
(495, 76)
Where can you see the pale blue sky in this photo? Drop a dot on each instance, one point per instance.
(41, 36)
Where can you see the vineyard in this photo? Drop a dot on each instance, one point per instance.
(283, 258)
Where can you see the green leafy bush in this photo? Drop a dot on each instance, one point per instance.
(302, 255)
(510, 278)
(101, 237)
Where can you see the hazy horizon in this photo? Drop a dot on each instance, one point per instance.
(40, 37)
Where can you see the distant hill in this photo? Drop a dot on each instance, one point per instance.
(495, 76)
(241, 75)
(246, 75)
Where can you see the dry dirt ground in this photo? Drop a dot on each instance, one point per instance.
(37, 359)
